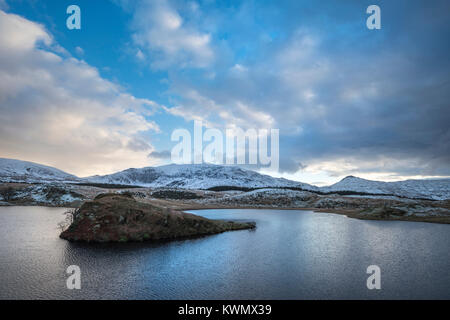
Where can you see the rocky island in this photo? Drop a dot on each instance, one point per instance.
(121, 218)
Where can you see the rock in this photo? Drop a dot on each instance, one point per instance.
(131, 220)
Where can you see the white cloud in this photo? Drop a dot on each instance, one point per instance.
(61, 112)
(21, 35)
(277, 93)
(79, 51)
(234, 114)
(171, 42)
(140, 55)
(384, 168)
(238, 70)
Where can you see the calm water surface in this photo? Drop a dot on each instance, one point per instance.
(291, 255)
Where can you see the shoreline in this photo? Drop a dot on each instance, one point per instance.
(352, 214)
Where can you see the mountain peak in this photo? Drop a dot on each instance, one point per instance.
(353, 178)
(196, 176)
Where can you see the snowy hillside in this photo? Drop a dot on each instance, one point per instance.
(201, 176)
(204, 176)
(427, 189)
(24, 171)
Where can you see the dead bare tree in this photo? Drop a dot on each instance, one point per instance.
(70, 216)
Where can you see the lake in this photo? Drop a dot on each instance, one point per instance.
(291, 255)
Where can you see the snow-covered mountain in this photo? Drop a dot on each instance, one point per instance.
(438, 189)
(204, 176)
(24, 171)
(196, 176)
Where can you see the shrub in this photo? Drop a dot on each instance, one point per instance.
(104, 195)
(7, 193)
(173, 194)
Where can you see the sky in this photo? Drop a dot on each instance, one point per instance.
(347, 100)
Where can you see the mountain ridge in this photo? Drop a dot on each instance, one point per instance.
(205, 176)
(435, 189)
(196, 176)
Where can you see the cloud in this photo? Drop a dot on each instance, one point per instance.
(59, 110)
(290, 166)
(170, 40)
(381, 167)
(375, 100)
(229, 113)
(346, 100)
(140, 55)
(79, 51)
(162, 155)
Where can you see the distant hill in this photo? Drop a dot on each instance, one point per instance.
(24, 171)
(438, 189)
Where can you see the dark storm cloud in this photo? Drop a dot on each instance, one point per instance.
(338, 90)
(163, 155)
